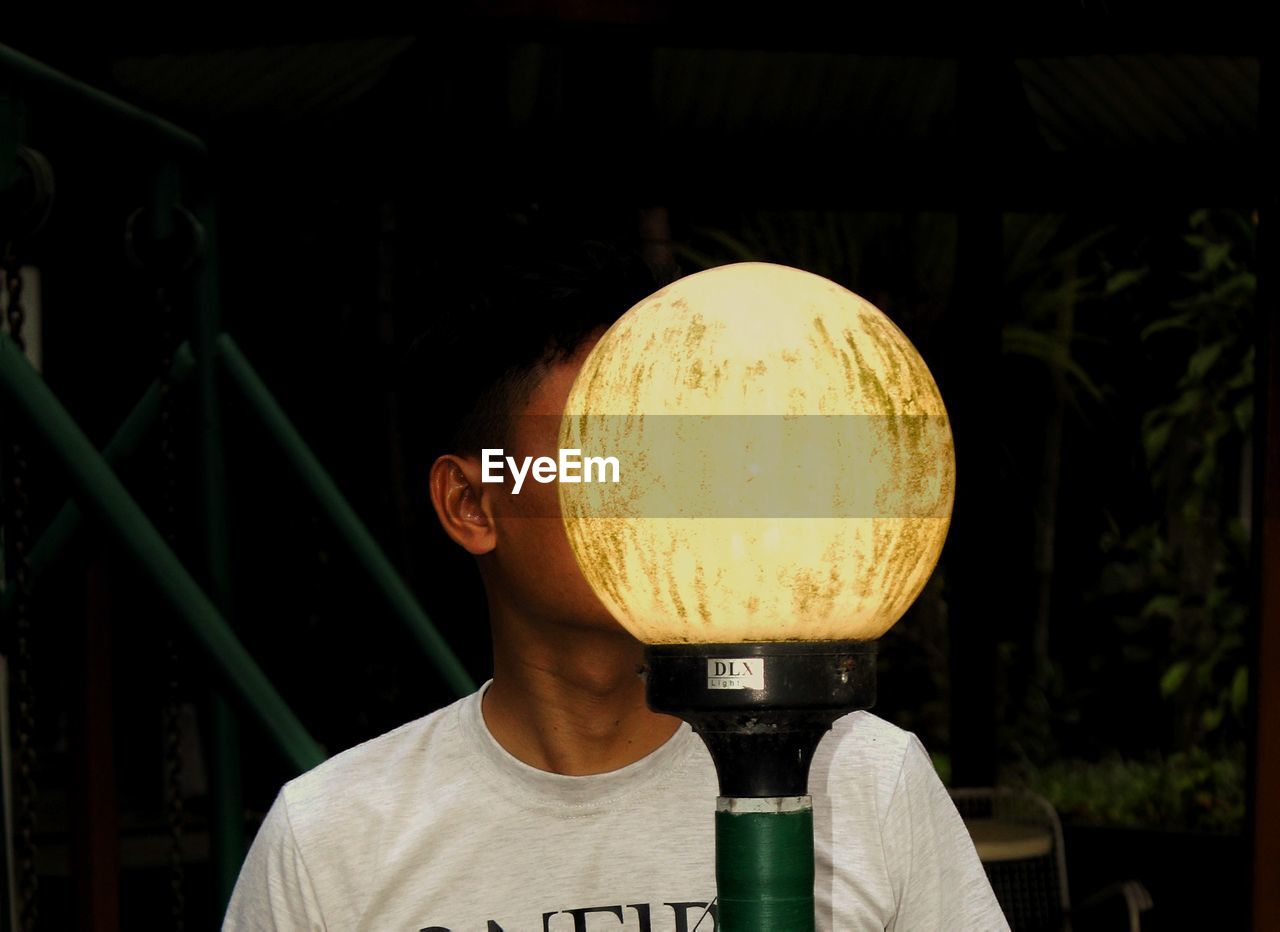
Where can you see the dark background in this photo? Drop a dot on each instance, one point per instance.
(1027, 208)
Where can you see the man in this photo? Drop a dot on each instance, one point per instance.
(554, 799)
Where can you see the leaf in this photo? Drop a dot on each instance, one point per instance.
(1233, 292)
(1215, 255)
(1086, 382)
(1231, 642)
(1024, 341)
(696, 258)
(1211, 718)
(1240, 689)
(731, 244)
(1162, 606)
(1155, 439)
(1202, 361)
(1123, 279)
(1176, 322)
(1174, 677)
(1073, 251)
(1032, 233)
(1202, 475)
(1186, 403)
(1243, 378)
(1244, 281)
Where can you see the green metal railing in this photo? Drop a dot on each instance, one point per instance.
(61, 533)
(36, 79)
(204, 611)
(97, 487)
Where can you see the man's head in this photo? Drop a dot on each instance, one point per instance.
(488, 349)
(511, 359)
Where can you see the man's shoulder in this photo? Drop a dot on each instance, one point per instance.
(369, 771)
(328, 830)
(862, 733)
(863, 754)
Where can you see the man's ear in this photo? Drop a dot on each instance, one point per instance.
(461, 503)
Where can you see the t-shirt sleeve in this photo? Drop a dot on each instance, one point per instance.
(274, 890)
(938, 881)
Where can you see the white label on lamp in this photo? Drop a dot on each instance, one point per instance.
(736, 673)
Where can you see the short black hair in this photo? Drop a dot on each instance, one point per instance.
(485, 351)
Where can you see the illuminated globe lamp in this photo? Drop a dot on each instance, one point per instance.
(786, 481)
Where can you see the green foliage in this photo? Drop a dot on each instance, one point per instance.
(1043, 277)
(1130, 340)
(1190, 790)
(1053, 290)
(1187, 571)
(1161, 363)
(1174, 677)
(1025, 341)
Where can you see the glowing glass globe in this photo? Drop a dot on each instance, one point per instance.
(785, 463)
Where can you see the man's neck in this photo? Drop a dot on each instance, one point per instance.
(569, 700)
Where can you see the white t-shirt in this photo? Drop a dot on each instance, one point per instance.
(434, 827)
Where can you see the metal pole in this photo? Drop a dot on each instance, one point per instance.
(35, 76)
(12, 132)
(228, 836)
(764, 864)
(350, 528)
(102, 494)
(95, 839)
(57, 537)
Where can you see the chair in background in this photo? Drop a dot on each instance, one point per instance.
(1019, 840)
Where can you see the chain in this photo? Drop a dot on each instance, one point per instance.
(167, 264)
(19, 540)
(175, 815)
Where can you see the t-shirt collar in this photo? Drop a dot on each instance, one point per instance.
(560, 790)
